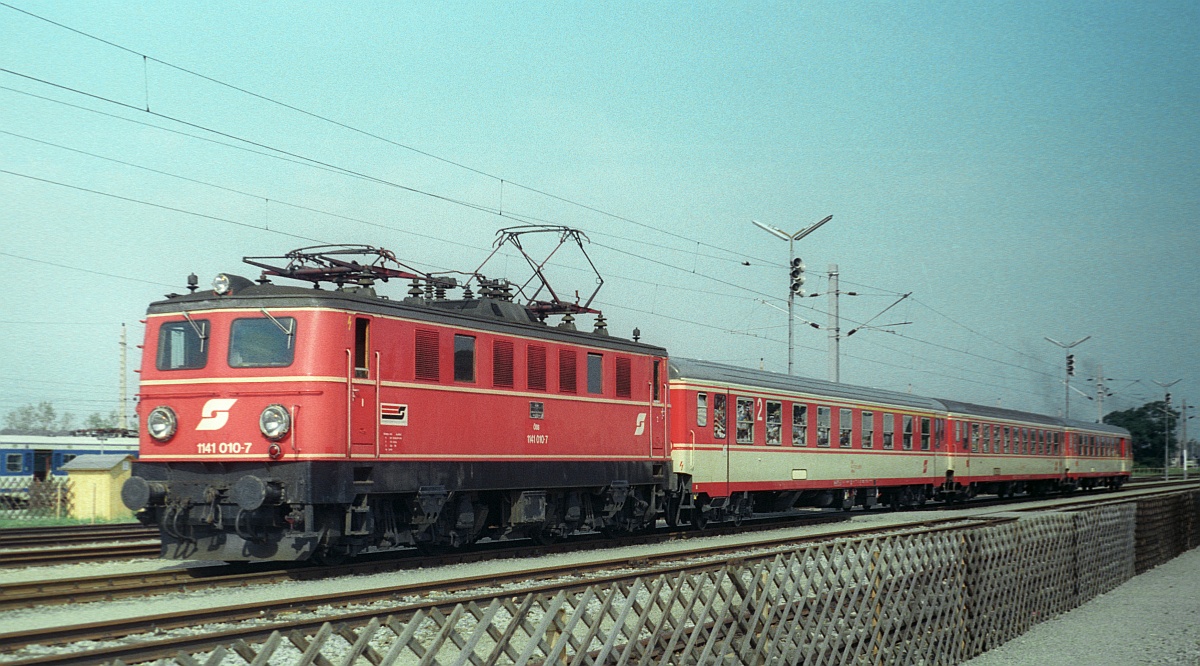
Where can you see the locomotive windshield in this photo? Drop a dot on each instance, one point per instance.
(181, 345)
(262, 342)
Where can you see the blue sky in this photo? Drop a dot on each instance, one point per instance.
(1026, 169)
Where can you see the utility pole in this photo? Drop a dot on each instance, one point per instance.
(1070, 371)
(795, 273)
(1100, 394)
(1183, 416)
(1167, 426)
(123, 420)
(835, 331)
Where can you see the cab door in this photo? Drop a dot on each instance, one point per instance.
(363, 371)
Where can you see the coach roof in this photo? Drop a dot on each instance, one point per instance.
(685, 368)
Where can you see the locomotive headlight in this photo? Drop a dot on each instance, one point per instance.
(222, 285)
(275, 422)
(161, 423)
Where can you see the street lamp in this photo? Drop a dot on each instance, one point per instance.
(1166, 426)
(1070, 371)
(795, 270)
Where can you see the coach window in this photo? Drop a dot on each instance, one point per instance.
(925, 433)
(908, 432)
(799, 424)
(1057, 443)
(974, 438)
(868, 430)
(845, 428)
(745, 420)
(720, 414)
(595, 377)
(182, 345)
(14, 462)
(701, 409)
(464, 358)
(262, 342)
(774, 422)
(889, 427)
(823, 417)
(1005, 439)
(986, 437)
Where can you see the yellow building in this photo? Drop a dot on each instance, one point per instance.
(96, 482)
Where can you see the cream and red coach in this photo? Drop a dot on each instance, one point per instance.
(751, 442)
(285, 422)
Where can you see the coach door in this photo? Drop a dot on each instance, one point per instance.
(363, 369)
(721, 434)
(658, 411)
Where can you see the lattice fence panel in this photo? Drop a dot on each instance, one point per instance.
(1162, 529)
(907, 598)
(1193, 502)
(1104, 549)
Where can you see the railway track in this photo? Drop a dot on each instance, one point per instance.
(146, 583)
(36, 546)
(35, 537)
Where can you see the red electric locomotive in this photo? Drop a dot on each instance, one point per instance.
(286, 422)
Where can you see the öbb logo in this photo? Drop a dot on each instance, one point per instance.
(215, 413)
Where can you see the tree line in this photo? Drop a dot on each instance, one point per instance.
(43, 419)
(1151, 427)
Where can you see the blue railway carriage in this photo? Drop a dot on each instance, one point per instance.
(34, 457)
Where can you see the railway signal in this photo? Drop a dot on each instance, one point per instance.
(1070, 370)
(796, 267)
(797, 275)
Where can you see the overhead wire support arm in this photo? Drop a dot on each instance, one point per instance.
(866, 324)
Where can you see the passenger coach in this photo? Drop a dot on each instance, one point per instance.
(748, 441)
